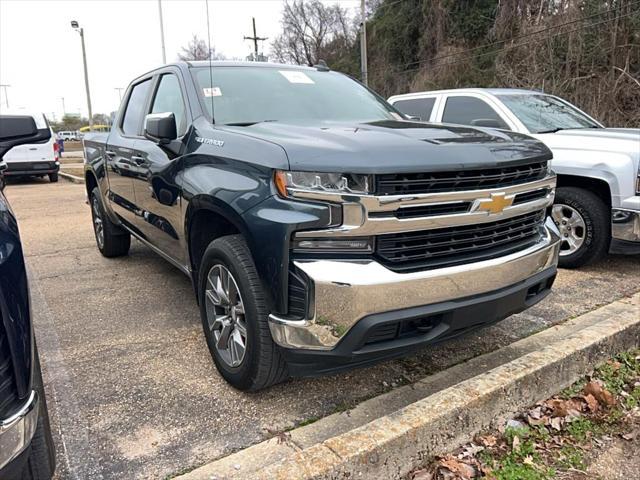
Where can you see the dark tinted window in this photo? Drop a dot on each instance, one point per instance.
(169, 99)
(416, 107)
(135, 108)
(471, 111)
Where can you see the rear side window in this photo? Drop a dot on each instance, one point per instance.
(416, 107)
(169, 99)
(135, 108)
(471, 111)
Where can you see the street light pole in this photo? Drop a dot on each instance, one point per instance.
(119, 89)
(363, 44)
(64, 110)
(80, 30)
(164, 53)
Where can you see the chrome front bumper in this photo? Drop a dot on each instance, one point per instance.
(17, 431)
(625, 225)
(343, 292)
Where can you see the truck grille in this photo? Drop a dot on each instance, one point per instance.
(433, 182)
(444, 247)
(8, 388)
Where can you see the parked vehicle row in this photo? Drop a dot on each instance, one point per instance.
(26, 445)
(320, 228)
(597, 205)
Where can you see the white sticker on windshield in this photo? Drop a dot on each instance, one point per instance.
(212, 92)
(295, 76)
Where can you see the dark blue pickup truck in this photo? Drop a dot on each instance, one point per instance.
(321, 228)
(26, 446)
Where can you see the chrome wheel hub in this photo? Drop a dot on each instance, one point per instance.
(98, 225)
(225, 315)
(572, 228)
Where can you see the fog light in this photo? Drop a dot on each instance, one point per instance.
(360, 244)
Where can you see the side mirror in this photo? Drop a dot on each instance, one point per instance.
(487, 122)
(160, 127)
(19, 130)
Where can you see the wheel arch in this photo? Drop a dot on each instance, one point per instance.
(597, 186)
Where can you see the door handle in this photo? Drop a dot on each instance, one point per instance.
(137, 160)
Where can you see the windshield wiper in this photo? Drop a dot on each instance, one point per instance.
(247, 124)
(554, 130)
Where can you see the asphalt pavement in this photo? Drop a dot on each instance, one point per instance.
(131, 387)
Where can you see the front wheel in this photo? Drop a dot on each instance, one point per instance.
(234, 315)
(584, 223)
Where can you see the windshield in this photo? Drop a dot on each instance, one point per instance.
(246, 95)
(543, 113)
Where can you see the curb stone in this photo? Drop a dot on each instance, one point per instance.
(391, 445)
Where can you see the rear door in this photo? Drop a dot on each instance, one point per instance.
(156, 187)
(120, 152)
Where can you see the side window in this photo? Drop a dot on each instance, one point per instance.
(471, 111)
(416, 107)
(169, 99)
(135, 108)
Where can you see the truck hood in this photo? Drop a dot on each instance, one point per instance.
(395, 146)
(619, 140)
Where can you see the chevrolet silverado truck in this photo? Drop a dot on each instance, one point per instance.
(320, 228)
(26, 445)
(597, 204)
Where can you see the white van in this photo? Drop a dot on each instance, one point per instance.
(34, 159)
(68, 135)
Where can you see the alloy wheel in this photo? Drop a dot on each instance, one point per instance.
(573, 229)
(226, 315)
(98, 225)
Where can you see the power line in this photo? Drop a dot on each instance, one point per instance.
(500, 49)
(486, 45)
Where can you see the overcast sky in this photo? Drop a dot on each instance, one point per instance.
(41, 57)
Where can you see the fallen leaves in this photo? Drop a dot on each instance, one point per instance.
(600, 393)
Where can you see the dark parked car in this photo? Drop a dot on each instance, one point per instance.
(26, 446)
(320, 228)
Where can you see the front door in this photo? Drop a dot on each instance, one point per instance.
(156, 187)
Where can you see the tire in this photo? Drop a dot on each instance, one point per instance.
(113, 241)
(594, 226)
(262, 364)
(53, 177)
(41, 462)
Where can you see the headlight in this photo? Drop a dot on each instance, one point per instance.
(321, 182)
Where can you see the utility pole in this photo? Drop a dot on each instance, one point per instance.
(64, 110)
(6, 97)
(255, 39)
(164, 53)
(363, 43)
(119, 89)
(80, 30)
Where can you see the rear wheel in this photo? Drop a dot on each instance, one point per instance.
(53, 177)
(584, 224)
(234, 317)
(112, 241)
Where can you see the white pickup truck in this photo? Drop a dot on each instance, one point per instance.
(597, 204)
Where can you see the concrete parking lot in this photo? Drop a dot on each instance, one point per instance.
(131, 387)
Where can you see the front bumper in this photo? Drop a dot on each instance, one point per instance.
(17, 431)
(625, 231)
(345, 293)
(44, 167)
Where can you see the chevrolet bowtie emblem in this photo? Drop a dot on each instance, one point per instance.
(496, 204)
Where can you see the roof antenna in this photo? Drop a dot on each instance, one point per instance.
(213, 117)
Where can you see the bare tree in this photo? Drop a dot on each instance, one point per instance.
(312, 31)
(197, 49)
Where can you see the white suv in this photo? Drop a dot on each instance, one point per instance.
(34, 159)
(597, 205)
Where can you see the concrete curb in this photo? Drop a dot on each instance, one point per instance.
(71, 178)
(391, 445)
